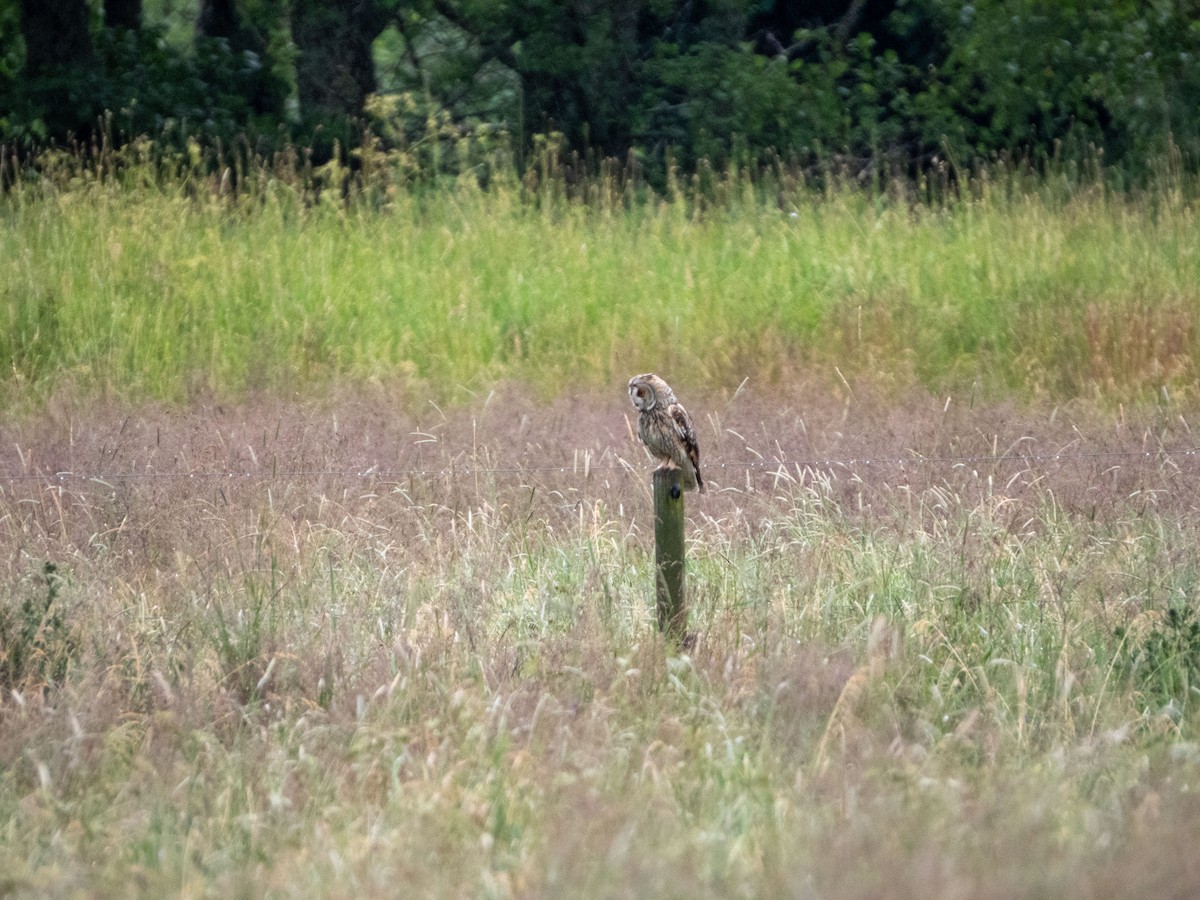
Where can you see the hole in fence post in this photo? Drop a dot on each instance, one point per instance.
(668, 554)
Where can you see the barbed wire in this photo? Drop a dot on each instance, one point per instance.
(766, 465)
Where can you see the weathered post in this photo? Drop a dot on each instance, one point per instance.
(668, 554)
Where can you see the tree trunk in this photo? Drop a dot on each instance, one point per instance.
(334, 68)
(220, 20)
(59, 72)
(56, 36)
(123, 14)
(217, 19)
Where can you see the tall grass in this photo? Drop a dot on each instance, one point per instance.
(285, 648)
(140, 288)
(950, 681)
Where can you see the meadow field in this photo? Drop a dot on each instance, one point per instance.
(326, 547)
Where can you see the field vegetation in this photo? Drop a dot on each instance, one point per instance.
(122, 281)
(326, 546)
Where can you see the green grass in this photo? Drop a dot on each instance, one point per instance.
(166, 292)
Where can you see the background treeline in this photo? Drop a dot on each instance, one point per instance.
(872, 84)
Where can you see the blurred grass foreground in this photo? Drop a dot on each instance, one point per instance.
(325, 639)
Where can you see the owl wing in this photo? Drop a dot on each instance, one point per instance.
(687, 439)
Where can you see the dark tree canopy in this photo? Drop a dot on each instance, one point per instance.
(123, 14)
(335, 70)
(56, 36)
(58, 58)
(217, 19)
(875, 84)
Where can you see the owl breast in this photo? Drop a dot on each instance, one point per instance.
(658, 434)
(659, 431)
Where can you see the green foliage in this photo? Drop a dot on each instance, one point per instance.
(1029, 80)
(140, 83)
(12, 57)
(1029, 77)
(437, 71)
(1164, 660)
(148, 88)
(37, 645)
(712, 98)
(215, 91)
(898, 86)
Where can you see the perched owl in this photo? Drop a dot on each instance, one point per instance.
(666, 429)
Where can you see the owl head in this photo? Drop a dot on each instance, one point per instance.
(648, 391)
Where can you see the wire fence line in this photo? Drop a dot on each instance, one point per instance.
(765, 465)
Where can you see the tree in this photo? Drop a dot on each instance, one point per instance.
(123, 14)
(56, 36)
(56, 86)
(1070, 78)
(581, 67)
(334, 68)
(880, 84)
(217, 19)
(224, 33)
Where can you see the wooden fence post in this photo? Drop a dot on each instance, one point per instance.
(668, 554)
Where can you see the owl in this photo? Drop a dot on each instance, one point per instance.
(666, 429)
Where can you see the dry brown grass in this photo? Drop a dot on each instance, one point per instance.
(326, 649)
